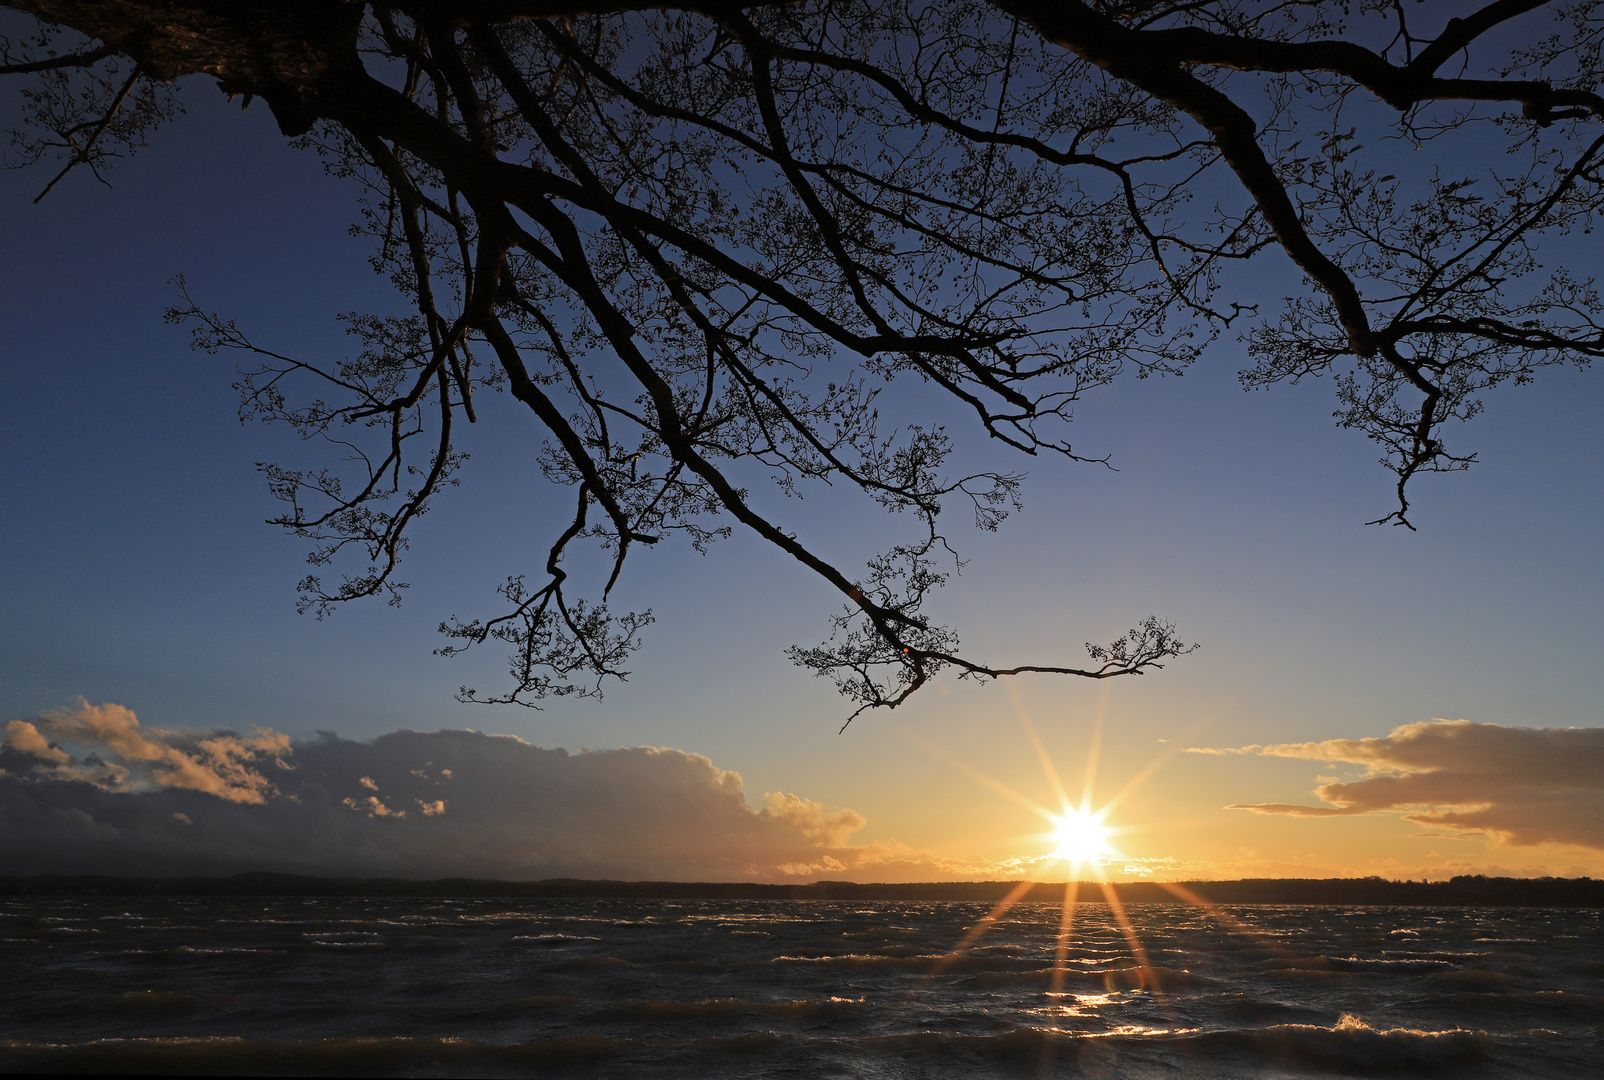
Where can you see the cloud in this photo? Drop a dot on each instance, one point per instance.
(1521, 786)
(92, 791)
(218, 763)
(811, 820)
(27, 739)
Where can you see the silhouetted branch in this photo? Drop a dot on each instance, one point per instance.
(701, 244)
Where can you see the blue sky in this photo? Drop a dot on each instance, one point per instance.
(138, 571)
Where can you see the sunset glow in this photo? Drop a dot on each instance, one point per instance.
(923, 538)
(1082, 838)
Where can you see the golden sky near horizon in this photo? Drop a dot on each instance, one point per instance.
(1034, 799)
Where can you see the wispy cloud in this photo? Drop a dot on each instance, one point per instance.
(92, 790)
(1517, 785)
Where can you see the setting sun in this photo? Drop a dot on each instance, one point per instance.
(1082, 837)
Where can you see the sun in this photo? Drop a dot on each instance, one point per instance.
(1082, 837)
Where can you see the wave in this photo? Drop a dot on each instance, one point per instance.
(1155, 979)
(660, 995)
(1351, 1043)
(724, 1009)
(895, 959)
(552, 940)
(1355, 964)
(320, 943)
(1348, 1045)
(186, 952)
(348, 1056)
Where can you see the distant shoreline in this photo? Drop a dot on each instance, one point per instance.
(1464, 891)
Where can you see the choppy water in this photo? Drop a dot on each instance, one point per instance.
(782, 989)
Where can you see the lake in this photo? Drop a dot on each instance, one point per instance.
(732, 988)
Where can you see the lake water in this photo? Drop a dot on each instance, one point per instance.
(640, 989)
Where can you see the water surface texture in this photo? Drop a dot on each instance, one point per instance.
(639, 989)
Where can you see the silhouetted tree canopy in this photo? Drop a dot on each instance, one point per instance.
(698, 241)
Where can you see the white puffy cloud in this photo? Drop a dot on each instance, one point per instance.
(1517, 785)
(91, 791)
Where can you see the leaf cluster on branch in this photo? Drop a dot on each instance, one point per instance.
(698, 242)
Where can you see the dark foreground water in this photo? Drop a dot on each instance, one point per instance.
(642, 989)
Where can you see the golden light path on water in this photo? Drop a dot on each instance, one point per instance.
(1081, 840)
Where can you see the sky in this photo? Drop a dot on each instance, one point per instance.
(1364, 700)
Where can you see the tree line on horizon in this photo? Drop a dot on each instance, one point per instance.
(1469, 890)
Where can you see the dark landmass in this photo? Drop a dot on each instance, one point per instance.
(1457, 892)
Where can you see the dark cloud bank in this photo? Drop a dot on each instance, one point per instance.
(90, 790)
(1520, 786)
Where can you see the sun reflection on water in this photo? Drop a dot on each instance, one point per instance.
(1080, 839)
